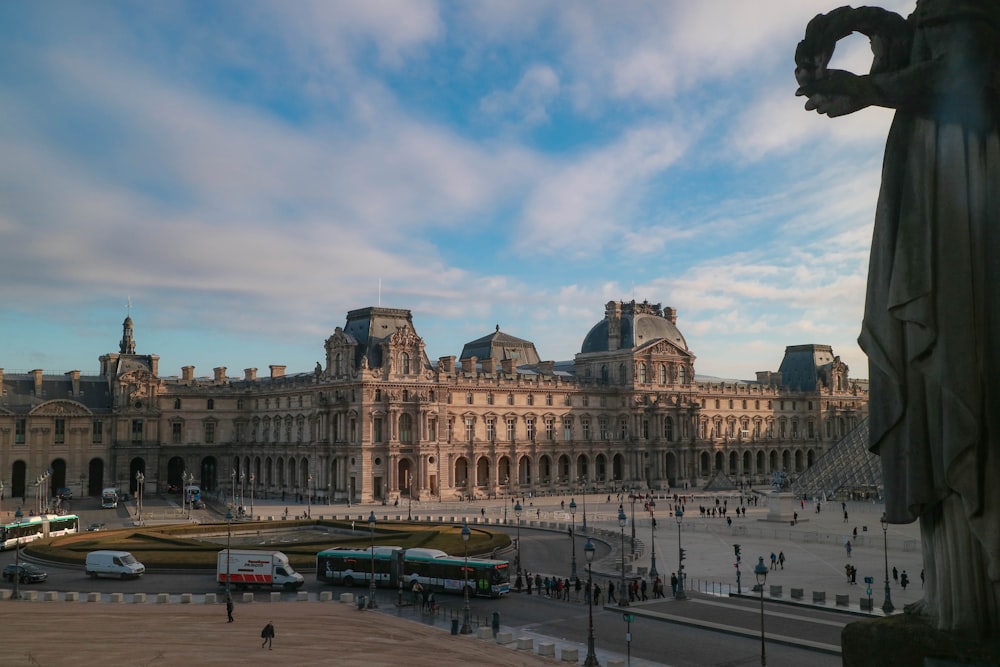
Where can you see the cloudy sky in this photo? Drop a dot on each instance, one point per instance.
(247, 172)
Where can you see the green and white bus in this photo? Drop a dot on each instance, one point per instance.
(433, 568)
(35, 527)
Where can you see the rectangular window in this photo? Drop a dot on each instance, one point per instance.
(585, 427)
(567, 429)
(586, 400)
(645, 429)
(136, 431)
(604, 401)
(19, 428)
(511, 428)
(209, 432)
(377, 430)
(491, 429)
(622, 430)
(605, 433)
(550, 429)
(530, 424)
(97, 432)
(175, 433)
(470, 429)
(210, 404)
(239, 432)
(432, 429)
(60, 434)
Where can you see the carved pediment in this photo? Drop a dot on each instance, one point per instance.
(60, 408)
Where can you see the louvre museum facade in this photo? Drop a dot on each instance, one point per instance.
(380, 420)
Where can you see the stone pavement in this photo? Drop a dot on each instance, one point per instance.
(90, 634)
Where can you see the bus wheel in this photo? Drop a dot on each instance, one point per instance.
(349, 581)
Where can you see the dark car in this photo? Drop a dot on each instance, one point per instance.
(26, 573)
(64, 492)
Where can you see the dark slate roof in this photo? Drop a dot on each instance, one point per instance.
(19, 392)
(499, 346)
(372, 326)
(640, 324)
(800, 368)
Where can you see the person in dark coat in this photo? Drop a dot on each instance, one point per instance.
(229, 607)
(267, 634)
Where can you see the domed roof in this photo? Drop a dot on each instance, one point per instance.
(636, 323)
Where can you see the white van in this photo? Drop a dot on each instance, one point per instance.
(119, 564)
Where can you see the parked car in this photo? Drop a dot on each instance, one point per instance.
(25, 572)
(95, 527)
(64, 492)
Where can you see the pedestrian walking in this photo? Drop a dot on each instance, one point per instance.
(781, 559)
(774, 560)
(642, 589)
(611, 591)
(577, 587)
(673, 584)
(847, 547)
(229, 607)
(904, 580)
(267, 634)
(895, 573)
(597, 594)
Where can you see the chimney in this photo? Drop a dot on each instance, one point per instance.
(250, 374)
(187, 373)
(38, 381)
(507, 366)
(74, 377)
(154, 365)
(277, 371)
(670, 314)
(489, 366)
(613, 313)
(546, 367)
(1, 381)
(447, 364)
(220, 373)
(469, 365)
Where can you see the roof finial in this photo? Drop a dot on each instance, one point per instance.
(498, 327)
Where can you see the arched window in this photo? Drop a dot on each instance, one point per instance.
(404, 363)
(642, 373)
(663, 373)
(682, 375)
(338, 364)
(604, 374)
(621, 374)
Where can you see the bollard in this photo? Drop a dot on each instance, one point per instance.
(361, 602)
(496, 623)
(454, 626)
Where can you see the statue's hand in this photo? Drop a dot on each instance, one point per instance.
(838, 93)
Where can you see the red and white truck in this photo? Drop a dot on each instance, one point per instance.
(256, 569)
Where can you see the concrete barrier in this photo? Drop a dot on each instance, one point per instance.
(186, 598)
(527, 644)
(843, 601)
(867, 604)
(162, 598)
(138, 598)
(570, 654)
(51, 596)
(116, 598)
(347, 598)
(819, 597)
(775, 591)
(91, 597)
(248, 597)
(505, 637)
(29, 595)
(325, 596)
(615, 662)
(5, 594)
(275, 596)
(303, 596)
(484, 632)
(798, 593)
(546, 649)
(210, 598)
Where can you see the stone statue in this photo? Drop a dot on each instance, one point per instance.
(931, 325)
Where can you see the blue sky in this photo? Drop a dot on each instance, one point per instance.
(247, 172)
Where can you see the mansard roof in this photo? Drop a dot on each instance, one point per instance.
(499, 345)
(802, 366)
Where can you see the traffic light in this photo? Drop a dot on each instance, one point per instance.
(737, 550)
(683, 554)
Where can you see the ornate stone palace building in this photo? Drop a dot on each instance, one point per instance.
(380, 420)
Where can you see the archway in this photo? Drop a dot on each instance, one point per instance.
(462, 473)
(57, 479)
(18, 474)
(95, 475)
(209, 474)
(524, 470)
(482, 471)
(601, 468)
(545, 469)
(175, 473)
(404, 476)
(618, 466)
(563, 470)
(136, 465)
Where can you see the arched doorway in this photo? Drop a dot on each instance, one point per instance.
(18, 474)
(175, 473)
(483, 471)
(404, 476)
(57, 479)
(618, 467)
(136, 465)
(209, 474)
(95, 474)
(462, 474)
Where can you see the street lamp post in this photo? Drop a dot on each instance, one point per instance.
(887, 606)
(584, 505)
(139, 479)
(517, 513)
(591, 661)
(572, 538)
(252, 480)
(633, 497)
(622, 592)
(309, 505)
(652, 539)
(232, 485)
(679, 594)
(506, 485)
(466, 628)
(229, 543)
(17, 552)
(761, 571)
(243, 490)
(409, 501)
(371, 588)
